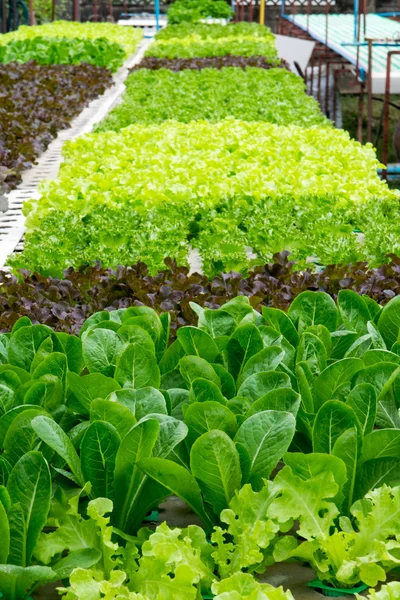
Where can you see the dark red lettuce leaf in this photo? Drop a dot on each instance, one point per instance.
(37, 101)
(66, 303)
(209, 62)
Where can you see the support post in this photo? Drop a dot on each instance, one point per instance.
(262, 12)
(15, 9)
(76, 11)
(369, 92)
(360, 114)
(4, 8)
(385, 148)
(326, 23)
(32, 13)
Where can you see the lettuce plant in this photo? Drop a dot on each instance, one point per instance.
(194, 45)
(243, 586)
(312, 373)
(58, 51)
(126, 202)
(38, 101)
(128, 37)
(65, 303)
(183, 11)
(122, 415)
(168, 563)
(155, 96)
(391, 591)
(24, 508)
(215, 31)
(188, 40)
(208, 62)
(364, 549)
(308, 491)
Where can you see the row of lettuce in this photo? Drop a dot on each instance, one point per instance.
(210, 156)
(50, 74)
(279, 430)
(64, 42)
(97, 430)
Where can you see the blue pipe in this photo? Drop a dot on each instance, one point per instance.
(388, 14)
(391, 169)
(384, 44)
(282, 8)
(355, 20)
(157, 7)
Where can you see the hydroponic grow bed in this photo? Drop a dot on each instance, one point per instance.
(262, 439)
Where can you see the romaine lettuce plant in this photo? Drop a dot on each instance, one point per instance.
(24, 508)
(122, 415)
(238, 386)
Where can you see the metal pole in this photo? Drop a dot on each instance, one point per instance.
(32, 13)
(326, 23)
(319, 80)
(327, 89)
(365, 18)
(4, 24)
(360, 114)
(157, 9)
(334, 108)
(95, 11)
(14, 25)
(75, 10)
(312, 72)
(110, 8)
(251, 11)
(283, 8)
(369, 90)
(262, 12)
(385, 148)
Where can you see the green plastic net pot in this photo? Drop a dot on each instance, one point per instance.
(332, 592)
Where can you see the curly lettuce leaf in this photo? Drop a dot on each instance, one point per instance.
(308, 501)
(243, 586)
(250, 530)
